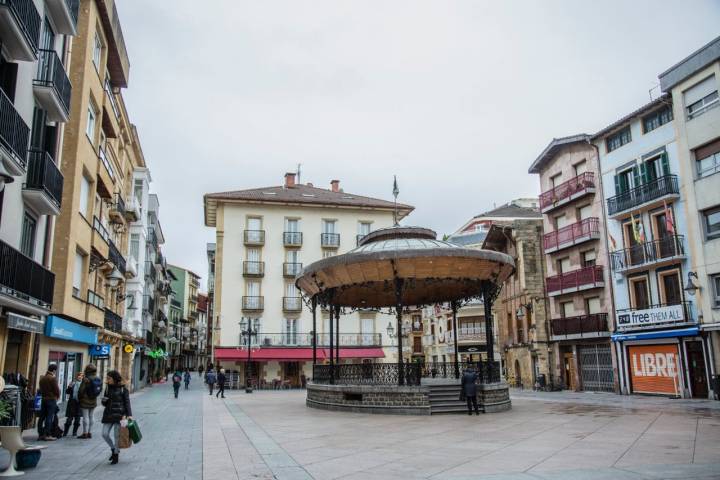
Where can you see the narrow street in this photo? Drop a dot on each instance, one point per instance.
(171, 446)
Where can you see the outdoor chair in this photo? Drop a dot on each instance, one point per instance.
(11, 438)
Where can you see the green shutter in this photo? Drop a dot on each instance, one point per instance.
(618, 185)
(637, 176)
(646, 172)
(665, 163)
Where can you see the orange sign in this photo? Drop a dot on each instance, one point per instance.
(654, 369)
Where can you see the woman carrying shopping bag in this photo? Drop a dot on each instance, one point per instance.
(117, 409)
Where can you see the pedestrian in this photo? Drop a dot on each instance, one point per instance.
(90, 389)
(211, 379)
(176, 379)
(469, 389)
(50, 391)
(117, 409)
(186, 377)
(221, 383)
(200, 370)
(72, 408)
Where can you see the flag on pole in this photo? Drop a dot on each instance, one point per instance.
(636, 226)
(396, 190)
(613, 243)
(641, 228)
(669, 220)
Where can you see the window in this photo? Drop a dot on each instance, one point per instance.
(715, 280)
(707, 159)
(639, 293)
(292, 225)
(78, 272)
(135, 247)
(328, 226)
(657, 119)
(561, 221)
(592, 305)
(624, 181)
(27, 241)
(563, 265)
(617, 140)
(584, 212)
(138, 190)
(588, 258)
(567, 309)
(701, 97)
(555, 180)
(580, 167)
(711, 220)
(364, 228)
(328, 253)
(670, 287)
(291, 330)
(97, 52)
(90, 129)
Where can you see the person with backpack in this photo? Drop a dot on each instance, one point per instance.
(221, 383)
(211, 379)
(72, 408)
(176, 379)
(117, 409)
(88, 393)
(50, 391)
(186, 377)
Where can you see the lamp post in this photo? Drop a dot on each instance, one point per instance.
(247, 332)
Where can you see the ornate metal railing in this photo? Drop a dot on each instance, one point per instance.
(292, 304)
(576, 279)
(117, 258)
(14, 132)
(580, 324)
(648, 252)
(44, 175)
(292, 239)
(102, 231)
(323, 339)
(647, 192)
(51, 73)
(368, 374)
(253, 303)
(253, 269)
(567, 189)
(113, 321)
(292, 269)
(22, 277)
(28, 19)
(488, 372)
(150, 271)
(254, 237)
(569, 235)
(331, 240)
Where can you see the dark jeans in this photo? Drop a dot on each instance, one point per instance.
(472, 403)
(48, 410)
(69, 421)
(187, 384)
(211, 386)
(176, 388)
(221, 390)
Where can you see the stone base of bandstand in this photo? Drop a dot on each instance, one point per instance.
(397, 400)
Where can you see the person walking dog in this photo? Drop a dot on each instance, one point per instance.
(469, 389)
(90, 389)
(117, 408)
(72, 408)
(221, 383)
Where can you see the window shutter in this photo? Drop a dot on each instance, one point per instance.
(618, 185)
(637, 175)
(707, 150)
(665, 163)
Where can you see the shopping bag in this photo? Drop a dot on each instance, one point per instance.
(135, 434)
(124, 439)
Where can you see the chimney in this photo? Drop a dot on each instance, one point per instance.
(289, 179)
(335, 185)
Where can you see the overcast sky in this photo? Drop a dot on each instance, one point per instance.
(456, 98)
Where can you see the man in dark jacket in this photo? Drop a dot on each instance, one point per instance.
(469, 389)
(221, 383)
(50, 391)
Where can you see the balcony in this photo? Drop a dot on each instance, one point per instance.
(292, 239)
(52, 87)
(679, 314)
(19, 29)
(14, 137)
(97, 301)
(292, 270)
(582, 231)
(568, 191)
(24, 281)
(254, 237)
(44, 184)
(654, 253)
(253, 269)
(645, 196)
(581, 326)
(132, 209)
(64, 14)
(323, 339)
(575, 281)
(292, 304)
(253, 304)
(117, 209)
(150, 271)
(113, 321)
(471, 335)
(117, 258)
(330, 240)
(101, 238)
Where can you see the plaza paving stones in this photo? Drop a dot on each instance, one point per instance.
(273, 435)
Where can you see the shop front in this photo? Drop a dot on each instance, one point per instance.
(65, 344)
(20, 352)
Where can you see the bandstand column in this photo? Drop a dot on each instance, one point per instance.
(398, 311)
(314, 332)
(488, 303)
(337, 335)
(331, 307)
(454, 307)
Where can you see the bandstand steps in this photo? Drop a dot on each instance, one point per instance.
(446, 399)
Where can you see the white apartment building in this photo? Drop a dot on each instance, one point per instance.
(34, 105)
(264, 238)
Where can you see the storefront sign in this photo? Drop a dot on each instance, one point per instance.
(651, 316)
(472, 348)
(100, 350)
(129, 348)
(57, 327)
(27, 324)
(654, 369)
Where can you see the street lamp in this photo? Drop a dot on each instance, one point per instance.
(247, 332)
(690, 287)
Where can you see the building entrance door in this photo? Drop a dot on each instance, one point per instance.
(569, 364)
(596, 369)
(696, 364)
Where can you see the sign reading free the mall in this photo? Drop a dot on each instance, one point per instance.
(651, 316)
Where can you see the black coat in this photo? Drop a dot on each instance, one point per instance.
(117, 404)
(72, 408)
(221, 379)
(469, 389)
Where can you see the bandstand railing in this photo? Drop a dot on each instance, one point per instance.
(391, 373)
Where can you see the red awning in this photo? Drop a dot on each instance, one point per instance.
(294, 354)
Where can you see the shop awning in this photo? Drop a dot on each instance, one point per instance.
(683, 332)
(294, 354)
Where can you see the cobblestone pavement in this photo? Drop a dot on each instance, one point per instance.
(171, 446)
(272, 434)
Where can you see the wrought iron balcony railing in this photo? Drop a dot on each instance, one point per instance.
(290, 339)
(117, 258)
(28, 21)
(254, 237)
(253, 303)
(101, 230)
(14, 132)
(44, 175)
(570, 235)
(292, 304)
(253, 269)
(51, 73)
(117, 209)
(588, 324)
(330, 240)
(581, 279)
(566, 191)
(292, 239)
(23, 278)
(643, 194)
(648, 253)
(292, 269)
(150, 271)
(113, 321)
(97, 301)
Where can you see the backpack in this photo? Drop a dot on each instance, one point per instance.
(177, 378)
(95, 388)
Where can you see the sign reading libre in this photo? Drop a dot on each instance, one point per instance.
(651, 316)
(654, 369)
